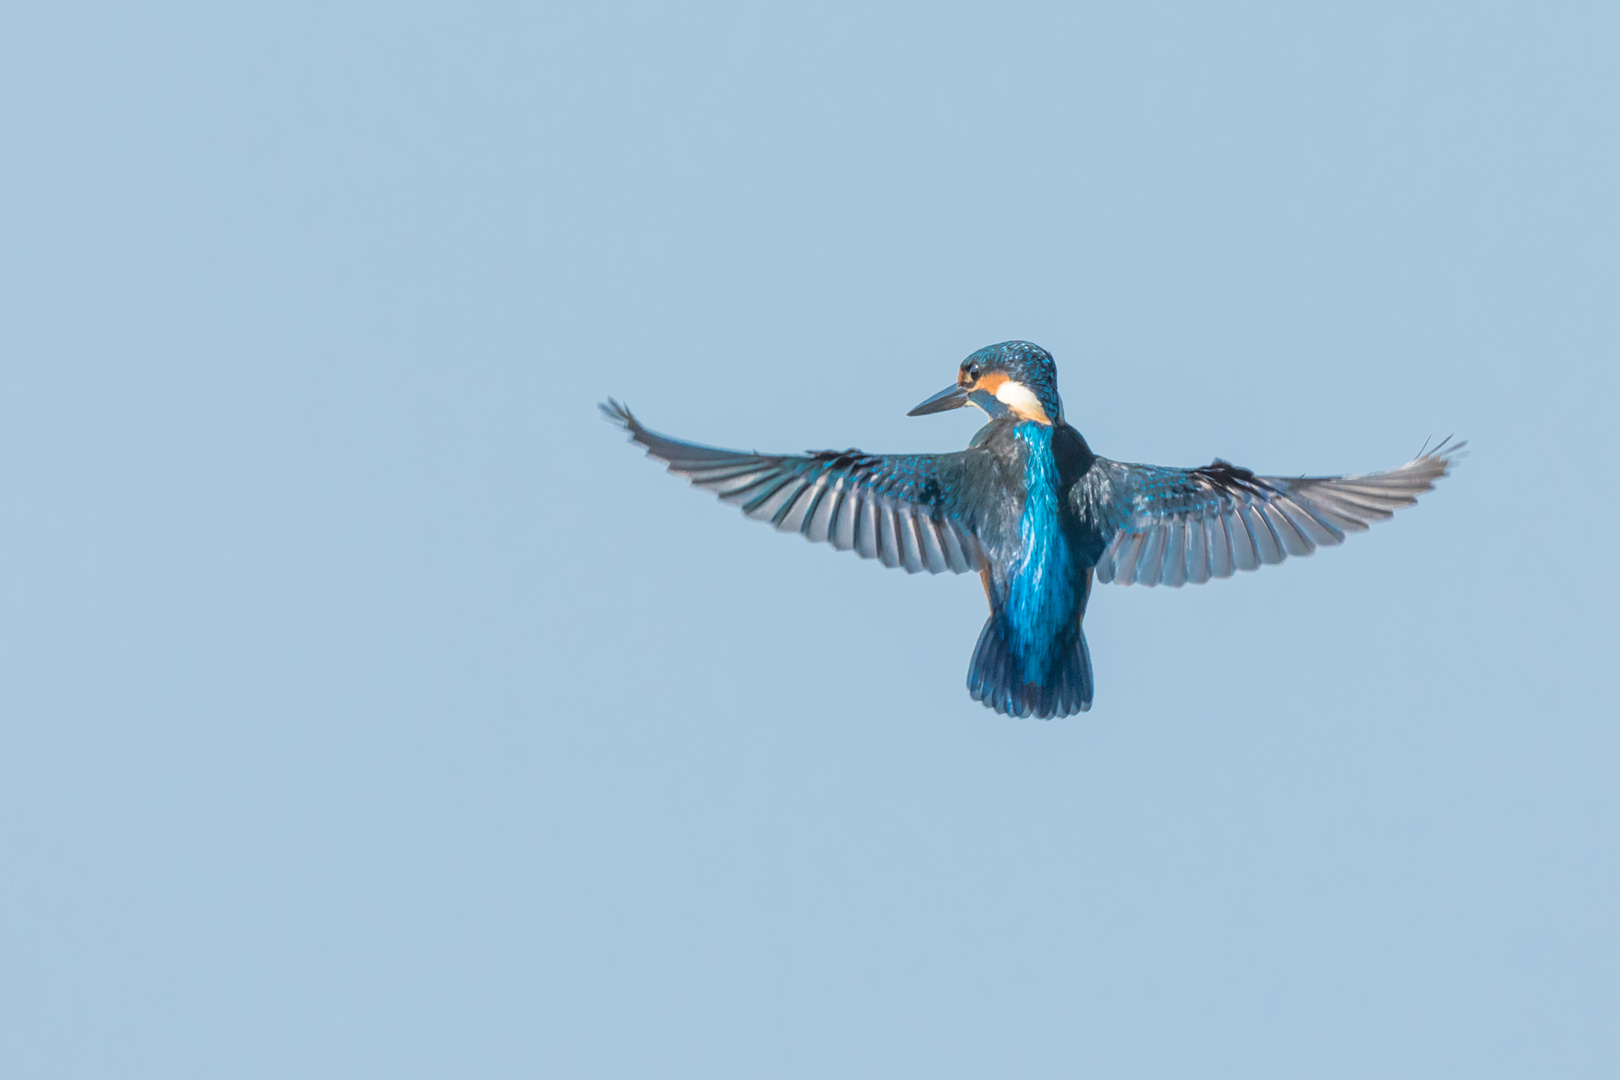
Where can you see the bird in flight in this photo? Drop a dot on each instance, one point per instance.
(1040, 517)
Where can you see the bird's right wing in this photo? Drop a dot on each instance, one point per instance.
(893, 507)
(1185, 526)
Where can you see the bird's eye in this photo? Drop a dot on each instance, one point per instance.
(973, 372)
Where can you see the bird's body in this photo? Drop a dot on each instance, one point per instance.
(1040, 517)
(1039, 550)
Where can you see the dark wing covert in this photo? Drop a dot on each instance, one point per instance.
(1185, 526)
(892, 507)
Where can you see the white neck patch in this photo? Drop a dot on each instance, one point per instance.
(1022, 400)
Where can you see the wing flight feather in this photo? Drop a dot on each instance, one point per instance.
(1186, 526)
(892, 507)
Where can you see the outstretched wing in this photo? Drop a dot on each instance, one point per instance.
(1177, 526)
(893, 507)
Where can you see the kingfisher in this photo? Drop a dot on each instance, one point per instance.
(1039, 517)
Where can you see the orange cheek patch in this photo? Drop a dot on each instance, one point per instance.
(1015, 395)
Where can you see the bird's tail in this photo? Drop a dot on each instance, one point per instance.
(996, 677)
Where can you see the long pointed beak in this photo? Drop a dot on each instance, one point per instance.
(952, 397)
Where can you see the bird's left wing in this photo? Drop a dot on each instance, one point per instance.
(893, 507)
(1185, 526)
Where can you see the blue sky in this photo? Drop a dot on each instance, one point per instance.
(367, 707)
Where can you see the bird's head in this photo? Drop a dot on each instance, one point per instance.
(1015, 378)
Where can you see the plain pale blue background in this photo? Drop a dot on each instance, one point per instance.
(368, 708)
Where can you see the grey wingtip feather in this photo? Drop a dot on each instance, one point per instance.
(619, 415)
(1448, 451)
(616, 413)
